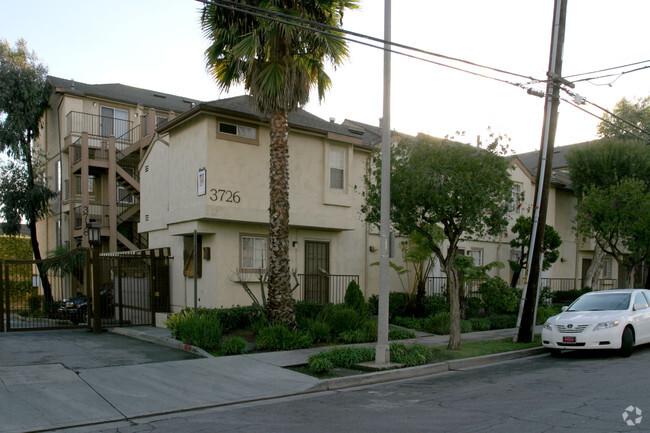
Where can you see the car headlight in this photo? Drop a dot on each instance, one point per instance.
(606, 325)
(547, 326)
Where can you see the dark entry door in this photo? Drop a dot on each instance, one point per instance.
(317, 268)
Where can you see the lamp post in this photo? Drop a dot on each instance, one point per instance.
(93, 229)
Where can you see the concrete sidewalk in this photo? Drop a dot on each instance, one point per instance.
(50, 396)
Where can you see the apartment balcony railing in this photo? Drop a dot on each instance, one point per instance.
(96, 212)
(98, 126)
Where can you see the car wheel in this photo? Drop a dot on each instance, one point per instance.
(555, 353)
(627, 342)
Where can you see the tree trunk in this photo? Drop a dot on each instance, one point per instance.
(453, 288)
(280, 301)
(593, 273)
(515, 278)
(31, 220)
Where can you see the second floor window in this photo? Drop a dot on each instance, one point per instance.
(239, 130)
(515, 204)
(113, 121)
(337, 167)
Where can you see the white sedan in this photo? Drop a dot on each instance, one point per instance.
(609, 319)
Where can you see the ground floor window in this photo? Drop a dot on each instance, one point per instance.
(253, 252)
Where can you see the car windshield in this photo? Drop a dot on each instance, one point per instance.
(601, 302)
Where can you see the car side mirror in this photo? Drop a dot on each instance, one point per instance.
(564, 308)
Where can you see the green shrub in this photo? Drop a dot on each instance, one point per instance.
(202, 330)
(320, 363)
(498, 297)
(353, 336)
(345, 357)
(567, 296)
(237, 317)
(319, 330)
(410, 356)
(34, 303)
(503, 321)
(435, 304)
(233, 346)
(546, 311)
(280, 337)
(399, 334)
(480, 323)
(473, 307)
(397, 304)
(308, 309)
(342, 319)
(354, 298)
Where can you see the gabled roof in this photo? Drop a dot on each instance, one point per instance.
(242, 107)
(560, 175)
(126, 94)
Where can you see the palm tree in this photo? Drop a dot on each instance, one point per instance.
(279, 64)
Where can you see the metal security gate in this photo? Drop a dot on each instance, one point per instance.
(27, 303)
(131, 288)
(317, 265)
(138, 283)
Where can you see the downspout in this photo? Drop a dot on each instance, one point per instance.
(59, 235)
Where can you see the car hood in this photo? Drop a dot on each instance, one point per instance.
(577, 317)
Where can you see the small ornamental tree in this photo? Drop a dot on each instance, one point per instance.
(521, 242)
(463, 189)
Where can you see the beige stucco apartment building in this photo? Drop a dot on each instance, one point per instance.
(153, 168)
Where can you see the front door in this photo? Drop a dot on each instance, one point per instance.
(317, 268)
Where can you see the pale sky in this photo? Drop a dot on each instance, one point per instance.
(158, 45)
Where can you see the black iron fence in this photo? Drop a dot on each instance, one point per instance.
(29, 303)
(325, 287)
(130, 289)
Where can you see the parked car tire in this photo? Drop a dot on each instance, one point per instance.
(627, 342)
(555, 353)
(80, 317)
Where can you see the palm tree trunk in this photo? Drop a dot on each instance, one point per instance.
(280, 302)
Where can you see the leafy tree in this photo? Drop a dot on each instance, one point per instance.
(278, 64)
(463, 189)
(604, 163)
(636, 113)
(521, 230)
(24, 95)
(618, 217)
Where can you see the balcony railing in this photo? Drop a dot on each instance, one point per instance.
(96, 212)
(98, 126)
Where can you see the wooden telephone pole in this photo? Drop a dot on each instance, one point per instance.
(530, 295)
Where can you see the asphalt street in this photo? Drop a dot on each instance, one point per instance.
(580, 392)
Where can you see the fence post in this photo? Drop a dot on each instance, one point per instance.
(96, 297)
(119, 290)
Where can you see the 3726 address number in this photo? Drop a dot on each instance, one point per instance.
(225, 195)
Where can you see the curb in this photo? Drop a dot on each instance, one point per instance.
(163, 341)
(421, 370)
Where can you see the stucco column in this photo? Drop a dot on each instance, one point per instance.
(85, 194)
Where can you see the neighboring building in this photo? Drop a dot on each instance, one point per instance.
(208, 171)
(93, 137)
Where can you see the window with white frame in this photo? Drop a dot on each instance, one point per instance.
(477, 255)
(253, 252)
(337, 167)
(57, 176)
(607, 268)
(238, 130)
(515, 204)
(113, 121)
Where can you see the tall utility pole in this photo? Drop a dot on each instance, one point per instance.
(526, 321)
(382, 352)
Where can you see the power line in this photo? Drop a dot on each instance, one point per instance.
(618, 75)
(608, 69)
(326, 29)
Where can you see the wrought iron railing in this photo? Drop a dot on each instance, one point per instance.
(99, 126)
(324, 287)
